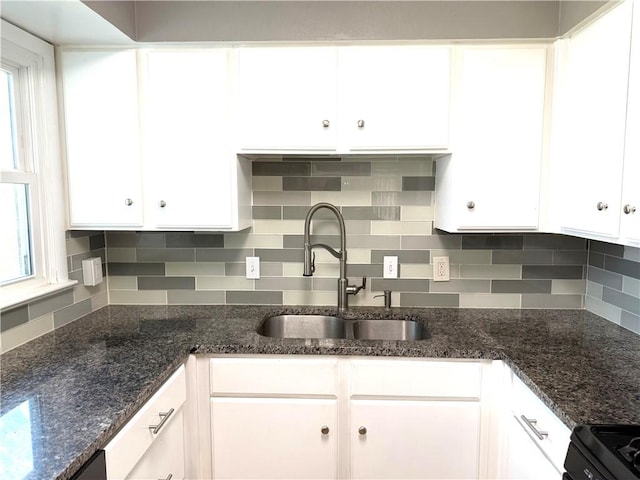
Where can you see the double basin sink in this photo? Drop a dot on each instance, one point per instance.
(327, 326)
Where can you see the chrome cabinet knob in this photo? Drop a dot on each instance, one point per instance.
(360, 123)
(128, 202)
(627, 209)
(471, 205)
(324, 430)
(602, 206)
(325, 123)
(362, 430)
(162, 203)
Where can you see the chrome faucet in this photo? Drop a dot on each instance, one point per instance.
(309, 256)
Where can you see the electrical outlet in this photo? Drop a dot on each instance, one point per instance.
(440, 269)
(253, 267)
(390, 267)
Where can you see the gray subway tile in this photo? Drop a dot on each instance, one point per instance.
(630, 321)
(596, 259)
(150, 239)
(129, 269)
(424, 184)
(523, 257)
(292, 212)
(569, 257)
(194, 297)
(281, 198)
(371, 213)
(356, 270)
(622, 266)
(97, 241)
(429, 300)
(166, 283)
(14, 317)
(324, 284)
(399, 285)
(353, 241)
(267, 213)
(604, 309)
(435, 242)
(552, 271)
(622, 300)
(71, 313)
(541, 300)
(121, 239)
(594, 290)
(280, 283)
(341, 168)
(520, 286)
(492, 242)
(606, 248)
(631, 286)
(280, 254)
(311, 184)
(401, 198)
(404, 256)
(254, 297)
(83, 233)
(267, 269)
(632, 253)
(165, 254)
(547, 241)
(50, 304)
(461, 286)
(193, 239)
(76, 260)
(281, 169)
(223, 254)
(610, 279)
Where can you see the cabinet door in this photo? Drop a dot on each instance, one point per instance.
(415, 439)
(288, 98)
(188, 182)
(166, 456)
(524, 460)
(102, 138)
(594, 124)
(395, 97)
(498, 140)
(266, 438)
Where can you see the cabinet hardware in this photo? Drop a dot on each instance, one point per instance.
(602, 206)
(629, 209)
(128, 202)
(169, 477)
(164, 416)
(162, 203)
(531, 423)
(324, 430)
(471, 205)
(362, 430)
(325, 123)
(360, 123)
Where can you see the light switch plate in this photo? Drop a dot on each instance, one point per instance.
(440, 269)
(390, 267)
(253, 267)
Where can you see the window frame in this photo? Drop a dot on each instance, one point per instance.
(39, 164)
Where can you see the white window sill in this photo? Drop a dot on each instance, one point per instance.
(16, 297)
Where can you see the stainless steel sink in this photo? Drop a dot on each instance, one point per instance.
(327, 326)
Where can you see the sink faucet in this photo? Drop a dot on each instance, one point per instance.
(309, 257)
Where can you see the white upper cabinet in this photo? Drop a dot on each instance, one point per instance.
(395, 98)
(491, 181)
(591, 130)
(341, 99)
(102, 139)
(287, 98)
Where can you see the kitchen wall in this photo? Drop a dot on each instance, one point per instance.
(20, 324)
(613, 283)
(388, 207)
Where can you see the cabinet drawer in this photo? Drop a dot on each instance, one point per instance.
(411, 378)
(273, 376)
(125, 449)
(526, 404)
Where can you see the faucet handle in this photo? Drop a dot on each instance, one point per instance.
(354, 289)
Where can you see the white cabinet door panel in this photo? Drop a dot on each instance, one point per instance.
(267, 438)
(415, 439)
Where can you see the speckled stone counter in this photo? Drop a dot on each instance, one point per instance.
(69, 391)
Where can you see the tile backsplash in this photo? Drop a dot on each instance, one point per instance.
(387, 203)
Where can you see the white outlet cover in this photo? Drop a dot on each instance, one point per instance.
(253, 268)
(390, 267)
(440, 269)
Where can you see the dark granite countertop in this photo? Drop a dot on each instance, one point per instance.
(64, 395)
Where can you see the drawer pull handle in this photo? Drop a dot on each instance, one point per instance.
(164, 417)
(169, 477)
(531, 423)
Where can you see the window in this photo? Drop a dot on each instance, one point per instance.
(32, 259)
